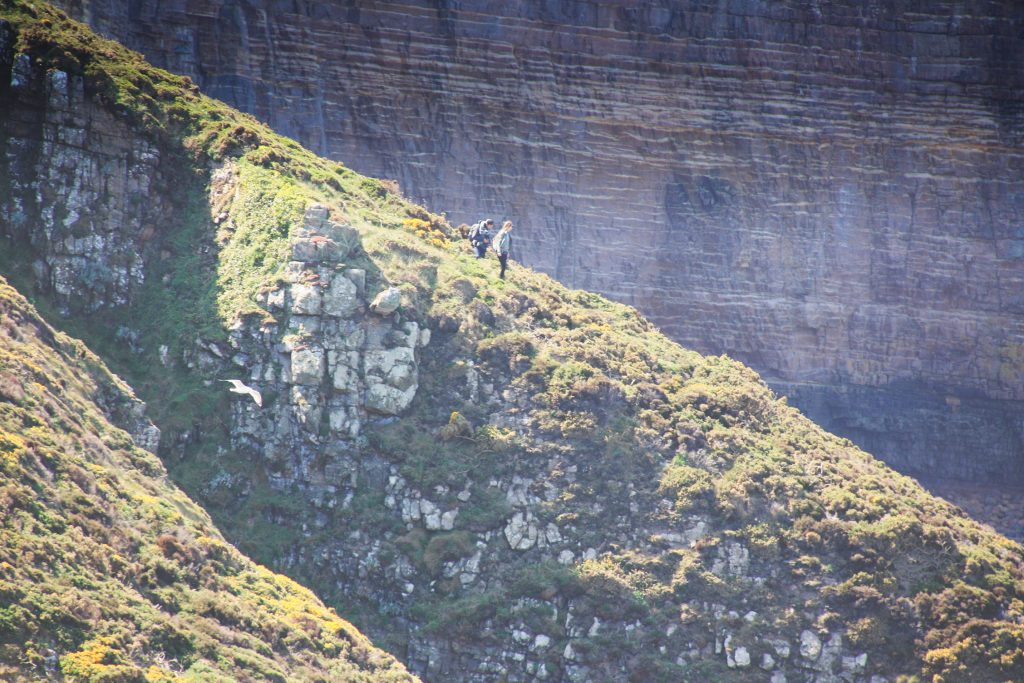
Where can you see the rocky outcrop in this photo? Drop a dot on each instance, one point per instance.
(77, 186)
(332, 359)
(479, 551)
(830, 193)
(85, 196)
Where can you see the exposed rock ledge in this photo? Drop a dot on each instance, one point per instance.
(336, 366)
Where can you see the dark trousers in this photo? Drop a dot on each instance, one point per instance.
(503, 259)
(481, 249)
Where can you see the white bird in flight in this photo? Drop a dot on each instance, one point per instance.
(239, 388)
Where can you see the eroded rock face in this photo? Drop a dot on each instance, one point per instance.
(76, 184)
(337, 366)
(830, 193)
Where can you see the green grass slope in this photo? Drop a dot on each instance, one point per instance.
(108, 572)
(837, 541)
(659, 440)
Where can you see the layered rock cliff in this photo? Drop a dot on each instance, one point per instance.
(830, 192)
(498, 479)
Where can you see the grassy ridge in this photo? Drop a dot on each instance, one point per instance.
(110, 573)
(839, 542)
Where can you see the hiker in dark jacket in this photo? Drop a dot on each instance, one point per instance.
(480, 236)
(502, 245)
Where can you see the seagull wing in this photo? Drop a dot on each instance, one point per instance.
(238, 387)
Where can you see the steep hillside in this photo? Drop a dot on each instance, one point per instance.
(830, 192)
(108, 572)
(496, 479)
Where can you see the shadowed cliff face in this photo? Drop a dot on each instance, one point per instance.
(829, 192)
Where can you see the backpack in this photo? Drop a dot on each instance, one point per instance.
(474, 232)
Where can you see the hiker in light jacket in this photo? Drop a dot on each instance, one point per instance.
(502, 244)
